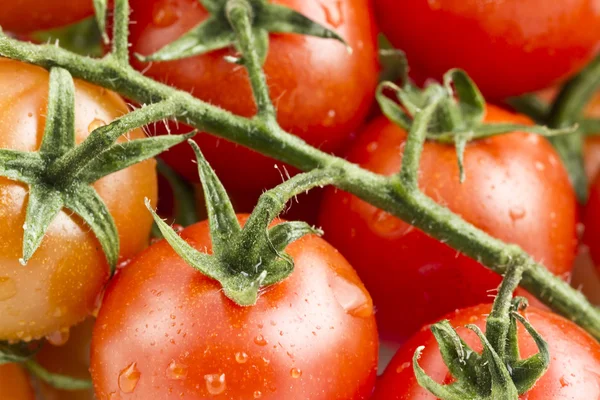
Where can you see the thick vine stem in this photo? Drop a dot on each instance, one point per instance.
(385, 193)
(120, 45)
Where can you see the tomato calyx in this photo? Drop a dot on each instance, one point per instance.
(60, 174)
(459, 117)
(498, 372)
(246, 259)
(217, 31)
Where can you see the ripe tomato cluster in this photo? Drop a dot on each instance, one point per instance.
(166, 326)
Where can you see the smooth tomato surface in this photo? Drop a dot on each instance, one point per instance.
(165, 331)
(516, 190)
(22, 16)
(574, 371)
(508, 47)
(321, 92)
(59, 285)
(14, 383)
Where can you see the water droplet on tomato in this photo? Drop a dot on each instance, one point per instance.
(517, 213)
(435, 4)
(215, 383)
(257, 394)
(333, 15)
(241, 357)
(387, 225)
(129, 378)
(402, 367)
(371, 147)
(176, 371)
(296, 373)
(165, 14)
(8, 288)
(353, 299)
(95, 124)
(260, 340)
(59, 338)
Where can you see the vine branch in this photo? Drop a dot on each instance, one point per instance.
(389, 194)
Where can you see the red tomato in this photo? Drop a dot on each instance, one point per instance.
(165, 331)
(23, 16)
(516, 189)
(591, 220)
(14, 383)
(59, 285)
(321, 92)
(574, 371)
(509, 47)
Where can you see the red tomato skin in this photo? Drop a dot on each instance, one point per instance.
(321, 92)
(515, 190)
(158, 310)
(592, 221)
(509, 47)
(574, 371)
(23, 16)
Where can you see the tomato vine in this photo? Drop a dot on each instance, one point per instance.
(398, 194)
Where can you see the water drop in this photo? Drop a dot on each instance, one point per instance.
(260, 340)
(387, 225)
(402, 367)
(371, 147)
(176, 371)
(8, 288)
(129, 378)
(517, 213)
(95, 124)
(353, 299)
(296, 373)
(215, 383)
(241, 357)
(257, 394)
(165, 14)
(58, 338)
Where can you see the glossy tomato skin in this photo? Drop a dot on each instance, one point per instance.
(183, 339)
(59, 285)
(591, 221)
(14, 383)
(23, 16)
(515, 190)
(509, 47)
(321, 92)
(574, 371)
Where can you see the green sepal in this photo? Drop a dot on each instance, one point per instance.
(54, 172)
(244, 260)
(224, 225)
(216, 33)
(122, 155)
(17, 353)
(58, 381)
(43, 206)
(459, 117)
(85, 202)
(100, 7)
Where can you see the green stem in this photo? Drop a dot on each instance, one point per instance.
(269, 139)
(55, 380)
(120, 45)
(498, 322)
(66, 168)
(239, 14)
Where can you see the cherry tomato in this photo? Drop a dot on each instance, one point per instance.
(58, 287)
(321, 92)
(516, 190)
(68, 353)
(23, 16)
(14, 383)
(574, 371)
(591, 221)
(166, 331)
(509, 47)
